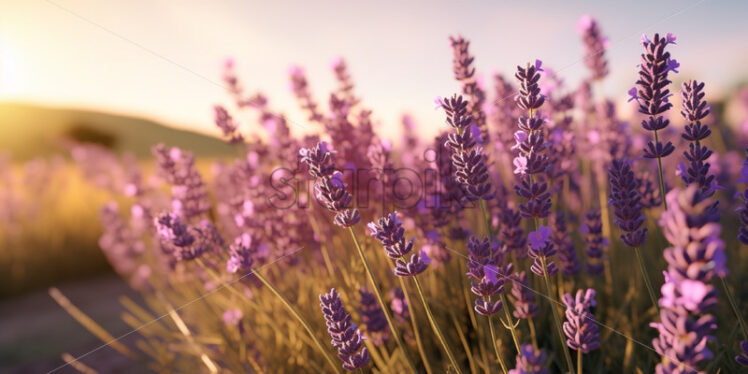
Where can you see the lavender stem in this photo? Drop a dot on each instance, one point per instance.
(645, 275)
(436, 328)
(556, 318)
(380, 299)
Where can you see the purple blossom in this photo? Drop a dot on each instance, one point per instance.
(523, 298)
(232, 317)
(399, 304)
(541, 248)
(226, 123)
(593, 231)
(652, 93)
(373, 317)
(531, 161)
(567, 255)
(694, 110)
(190, 196)
(580, 328)
(742, 210)
(511, 233)
(742, 358)
(329, 188)
(464, 71)
(487, 273)
(531, 361)
(594, 45)
(345, 337)
(626, 200)
(244, 254)
(469, 160)
(390, 232)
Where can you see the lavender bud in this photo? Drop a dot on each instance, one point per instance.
(345, 337)
(580, 328)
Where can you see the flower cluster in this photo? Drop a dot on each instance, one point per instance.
(694, 111)
(743, 209)
(531, 361)
(580, 328)
(245, 253)
(373, 317)
(462, 66)
(626, 200)
(596, 243)
(567, 254)
(329, 188)
(523, 297)
(226, 123)
(594, 45)
(542, 249)
(511, 233)
(531, 162)
(186, 242)
(300, 88)
(390, 232)
(652, 94)
(487, 274)
(695, 258)
(190, 196)
(471, 169)
(345, 336)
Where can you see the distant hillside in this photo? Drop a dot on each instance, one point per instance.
(27, 131)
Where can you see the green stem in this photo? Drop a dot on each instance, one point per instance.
(299, 318)
(382, 304)
(495, 346)
(556, 318)
(645, 275)
(659, 170)
(735, 309)
(436, 328)
(413, 322)
(579, 361)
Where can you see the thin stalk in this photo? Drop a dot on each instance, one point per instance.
(645, 275)
(299, 318)
(532, 333)
(509, 320)
(382, 304)
(735, 309)
(495, 346)
(659, 170)
(436, 328)
(556, 318)
(413, 322)
(579, 361)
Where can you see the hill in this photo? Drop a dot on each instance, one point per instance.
(28, 131)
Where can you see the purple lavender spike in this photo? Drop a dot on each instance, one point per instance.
(580, 328)
(345, 337)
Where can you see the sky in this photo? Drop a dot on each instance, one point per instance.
(162, 59)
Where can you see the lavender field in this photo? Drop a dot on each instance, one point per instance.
(542, 223)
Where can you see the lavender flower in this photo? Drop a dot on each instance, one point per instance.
(373, 317)
(389, 231)
(462, 65)
(531, 361)
(329, 187)
(696, 256)
(468, 159)
(244, 253)
(185, 242)
(531, 163)
(567, 255)
(399, 304)
(594, 44)
(626, 200)
(692, 228)
(190, 196)
(487, 273)
(345, 337)
(226, 123)
(742, 358)
(652, 94)
(542, 247)
(580, 329)
(523, 298)
(511, 233)
(593, 231)
(743, 209)
(300, 88)
(694, 110)
(345, 82)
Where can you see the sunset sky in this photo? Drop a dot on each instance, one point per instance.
(161, 59)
